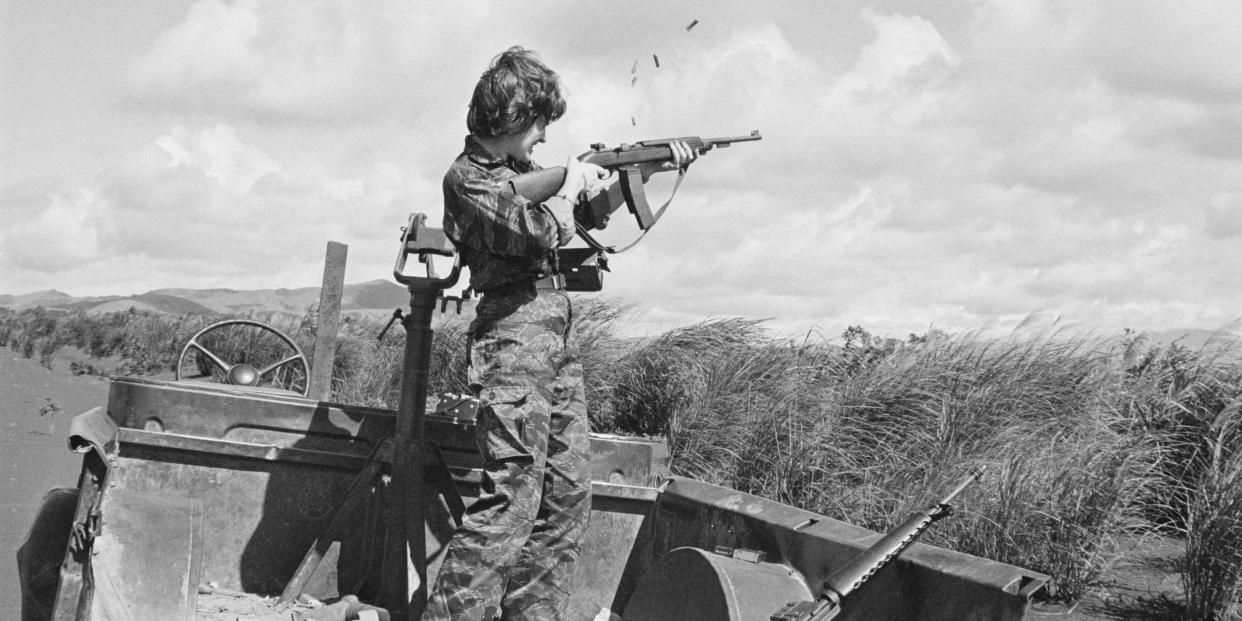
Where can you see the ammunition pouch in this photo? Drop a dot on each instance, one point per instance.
(583, 268)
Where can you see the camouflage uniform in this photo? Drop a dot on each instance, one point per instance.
(515, 552)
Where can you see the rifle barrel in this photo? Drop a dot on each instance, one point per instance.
(859, 569)
(724, 142)
(975, 473)
(693, 141)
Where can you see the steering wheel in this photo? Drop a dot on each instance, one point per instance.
(243, 374)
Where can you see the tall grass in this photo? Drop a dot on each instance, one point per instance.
(869, 433)
(1087, 440)
(1212, 570)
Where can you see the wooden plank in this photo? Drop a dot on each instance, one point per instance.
(329, 320)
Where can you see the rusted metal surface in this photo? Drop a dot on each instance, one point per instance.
(926, 582)
(405, 540)
(691, 584)
(152, 443)
(226, 412)
(618, 516)
(354, 498)
(272, 469)
(145, 561)
(261, 424)
(620, 459)
(265, 507)
(73, 597)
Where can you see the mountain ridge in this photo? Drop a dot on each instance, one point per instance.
(373, 297)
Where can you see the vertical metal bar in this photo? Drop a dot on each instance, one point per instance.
(77, 585)
(406, 528)
(329, 321)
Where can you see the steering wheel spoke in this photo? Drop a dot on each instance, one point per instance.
(243, 374)
(276, 365)
(210, 355)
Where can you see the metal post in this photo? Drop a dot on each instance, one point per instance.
(406, 517)
(329, 321)
(406, 531)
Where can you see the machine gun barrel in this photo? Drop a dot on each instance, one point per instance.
(970, 477)
(858, 570)
(852, 576)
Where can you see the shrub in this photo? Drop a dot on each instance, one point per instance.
(656, 385)
(49, 411)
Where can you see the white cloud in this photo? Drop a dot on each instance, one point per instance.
(1184, 50)
(320, 60)
(935, 182)
(915, 170)
(58, 238)
(905, 49)
(220, 156)
(211, 53)
(750, 79)
(200, 207)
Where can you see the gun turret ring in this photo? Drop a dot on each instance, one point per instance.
(242, 373)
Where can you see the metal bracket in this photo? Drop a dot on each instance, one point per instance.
(416, 238)
(84, 532)
(445, 299)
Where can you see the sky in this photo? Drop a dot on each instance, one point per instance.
(945, 164)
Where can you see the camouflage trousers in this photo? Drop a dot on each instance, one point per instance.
(513, 556)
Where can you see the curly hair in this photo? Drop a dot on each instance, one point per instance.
(514, 91)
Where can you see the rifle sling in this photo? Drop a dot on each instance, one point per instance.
(594, 243)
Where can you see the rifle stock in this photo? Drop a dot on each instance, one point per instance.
(851, 576)
(540, 185)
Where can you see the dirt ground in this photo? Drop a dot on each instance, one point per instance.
(35, 457)
(34, 453)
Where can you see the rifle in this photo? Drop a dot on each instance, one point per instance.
(860, 568)
(593, 209)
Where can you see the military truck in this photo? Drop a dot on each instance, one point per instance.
(232, 500)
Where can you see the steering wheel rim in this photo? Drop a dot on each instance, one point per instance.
(243, 374)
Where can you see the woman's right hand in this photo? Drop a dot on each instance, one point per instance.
(580, 176)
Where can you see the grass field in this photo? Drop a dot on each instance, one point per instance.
(1103, 453)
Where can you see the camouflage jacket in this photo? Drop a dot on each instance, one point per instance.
(503, 238)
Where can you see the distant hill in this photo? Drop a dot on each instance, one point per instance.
(379, 294)
(152, 302)
(1194, 338)
(47, 299)
(375, 298)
